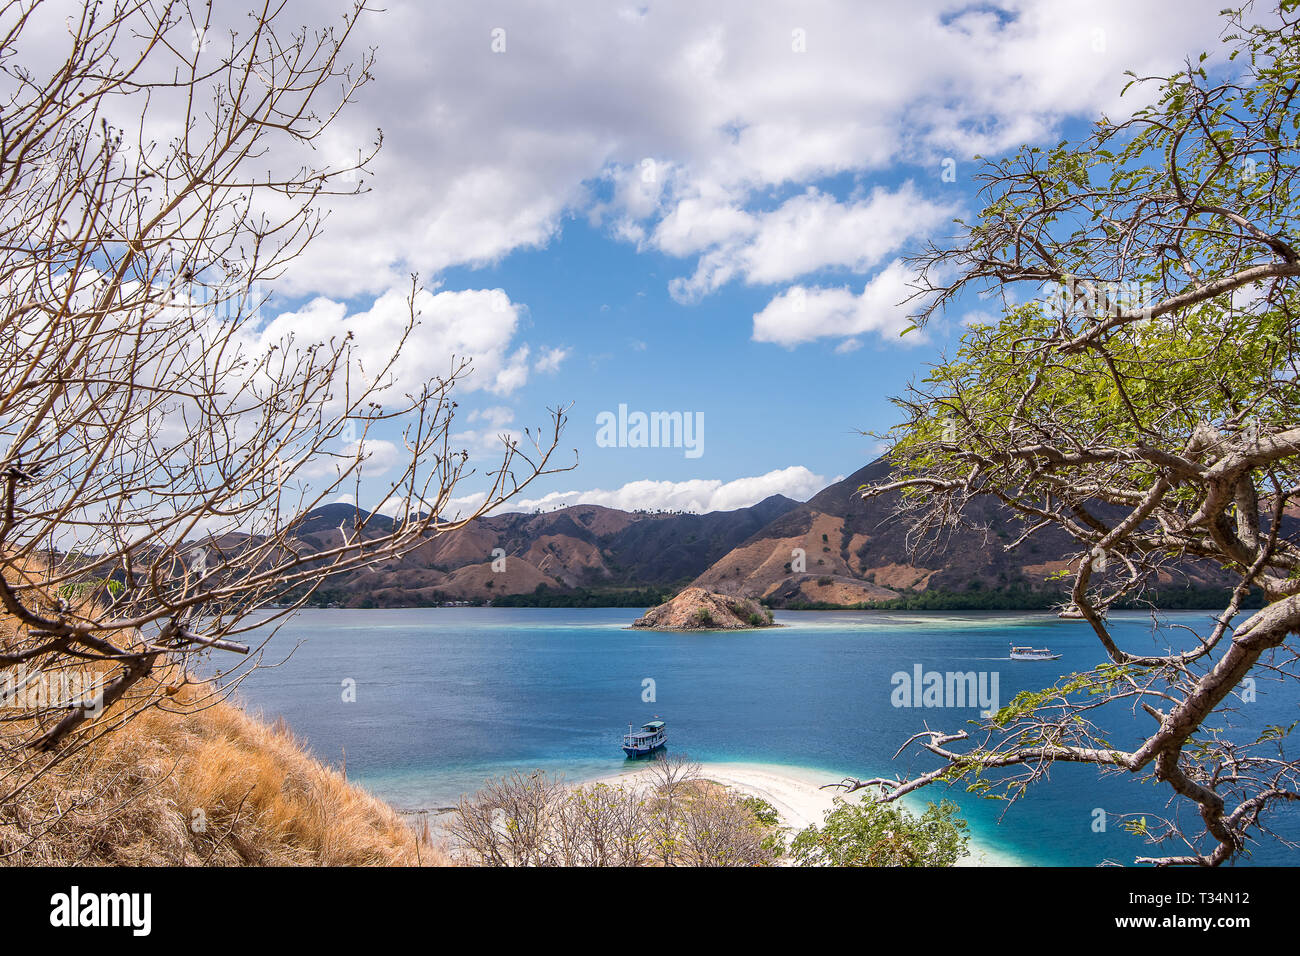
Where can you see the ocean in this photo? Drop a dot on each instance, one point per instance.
(425, 704)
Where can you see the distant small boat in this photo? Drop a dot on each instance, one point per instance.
(651, 737)
(1032, 654)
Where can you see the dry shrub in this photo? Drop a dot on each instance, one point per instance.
(674, 818)
(174, 774)
(203, 783)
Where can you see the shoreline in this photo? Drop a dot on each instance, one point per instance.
(796, 795)
(704, 630)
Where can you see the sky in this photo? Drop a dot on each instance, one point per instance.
(688, 207)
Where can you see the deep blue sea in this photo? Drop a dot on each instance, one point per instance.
(446, 697)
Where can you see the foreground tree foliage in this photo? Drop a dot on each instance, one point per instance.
(677, 818)
(157, 450)
(875, 834)
(1139, 392)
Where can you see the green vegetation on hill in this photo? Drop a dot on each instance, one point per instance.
(976, 597)
(1020, 598)
(544, 596)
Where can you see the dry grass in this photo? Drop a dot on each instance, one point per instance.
(204, 786)
(173, 775)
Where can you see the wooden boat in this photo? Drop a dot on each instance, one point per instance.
(641, 743)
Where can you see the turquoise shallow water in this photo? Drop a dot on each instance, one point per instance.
(446, 697)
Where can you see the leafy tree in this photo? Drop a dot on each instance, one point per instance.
(1138, 391)
(883, 834)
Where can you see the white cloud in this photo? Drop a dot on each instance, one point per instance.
(800, 315)
(812, 231)
(479, 324)
(699, 495)
(809, 233)
(498, 416)
(486, 443)
(551, 360)
(694, 129)
(463, 505)
(489, 152)
(700, 222)
(377, 457)
(486, 446)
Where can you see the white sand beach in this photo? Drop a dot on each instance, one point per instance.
(797, 796)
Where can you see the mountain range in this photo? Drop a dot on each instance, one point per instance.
(834, 550)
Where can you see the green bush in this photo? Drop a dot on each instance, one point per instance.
(883, 834)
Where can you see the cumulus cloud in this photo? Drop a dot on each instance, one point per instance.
(488, 439)
(675, 123)
(700, 222)
(800, 315)
(809, 233)
(698, 495)
(479, 324)
(703, 131)
(377, 457)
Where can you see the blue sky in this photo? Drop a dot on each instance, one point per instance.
(766, 406)
(696, 208)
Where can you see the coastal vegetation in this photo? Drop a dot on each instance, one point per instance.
(586, 597)
(676, 818)
(866, 833)
(1137, 394)
(673, 815)
(1033, 599)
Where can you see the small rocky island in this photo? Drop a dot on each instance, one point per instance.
(696, 609)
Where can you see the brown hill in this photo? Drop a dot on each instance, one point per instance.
(838, 549)
(834, 550)
(194, 781)
(264, 799)
(580, 547)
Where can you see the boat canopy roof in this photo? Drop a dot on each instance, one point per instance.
(653, 725)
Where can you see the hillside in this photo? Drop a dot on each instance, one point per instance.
(214, 787)
(856, 553)
(580, 547)
(853, 553)
(194, 781)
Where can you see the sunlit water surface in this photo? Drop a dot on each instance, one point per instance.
(447, 697)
